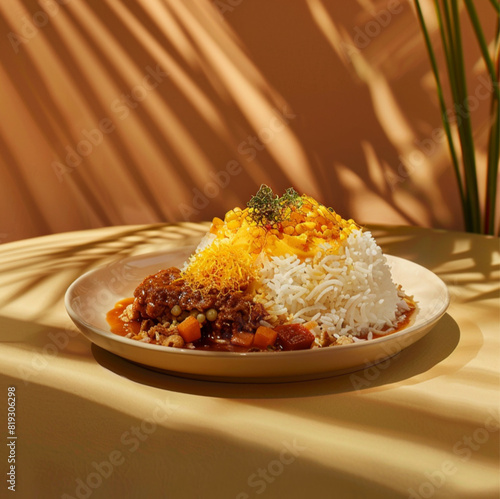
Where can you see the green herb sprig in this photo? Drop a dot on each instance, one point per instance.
(268, 210)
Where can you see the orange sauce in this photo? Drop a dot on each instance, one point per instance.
(117, 326)
(405, 320)
(121, 328)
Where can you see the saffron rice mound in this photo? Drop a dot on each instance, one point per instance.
(304, 264)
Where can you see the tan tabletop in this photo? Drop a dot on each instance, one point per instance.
(90, 424)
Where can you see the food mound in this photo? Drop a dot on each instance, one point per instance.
(285, 273)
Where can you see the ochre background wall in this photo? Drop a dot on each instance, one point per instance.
(125, 112)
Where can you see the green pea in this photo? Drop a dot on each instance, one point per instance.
(176, 310)
(201, 318)
(211, 314)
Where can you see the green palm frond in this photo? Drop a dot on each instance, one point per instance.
(448, 17)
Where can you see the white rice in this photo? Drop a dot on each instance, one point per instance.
(346, 292)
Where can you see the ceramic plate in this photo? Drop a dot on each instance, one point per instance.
(94, 293)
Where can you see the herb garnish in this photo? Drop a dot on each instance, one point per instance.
(268, 210)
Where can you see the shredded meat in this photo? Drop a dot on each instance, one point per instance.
(237, 313)
(155, 297)
(174, 340)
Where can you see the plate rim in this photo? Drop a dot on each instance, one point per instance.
(392, 337)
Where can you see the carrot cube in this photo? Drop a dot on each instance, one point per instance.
(264, 337)
(242, 339)
(190, 329)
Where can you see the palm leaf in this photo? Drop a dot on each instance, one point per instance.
(448, 17)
